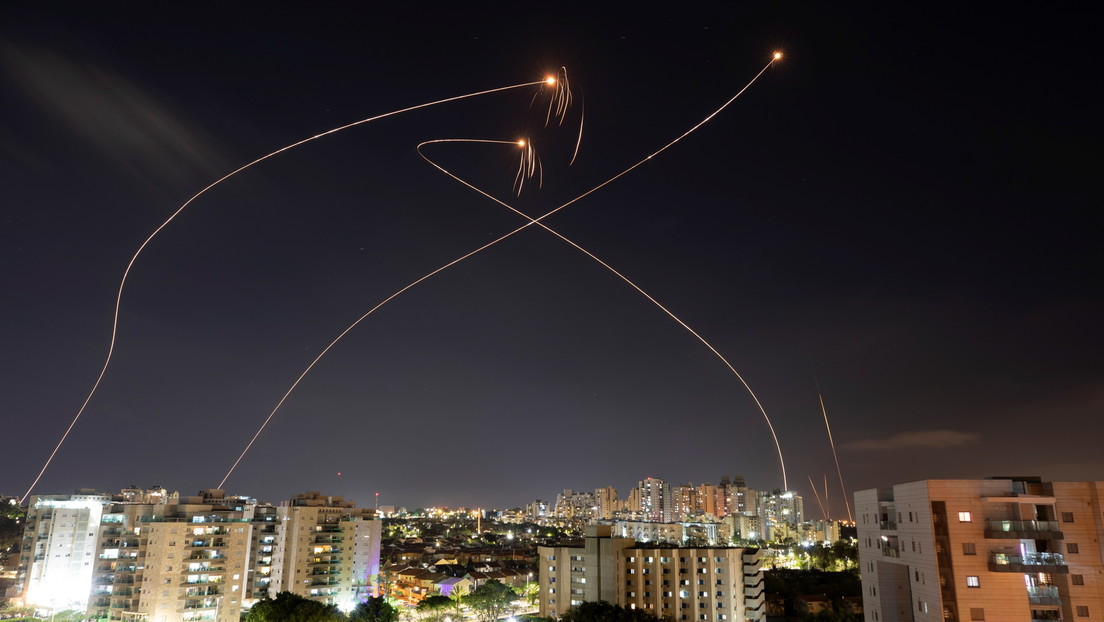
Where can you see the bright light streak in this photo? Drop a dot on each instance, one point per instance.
(832, 442)
(130, 264)
(823, 512)
(778, 56)
(532, 221)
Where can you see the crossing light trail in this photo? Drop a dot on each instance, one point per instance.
(432, 273)
(617, 273)
(562, 91)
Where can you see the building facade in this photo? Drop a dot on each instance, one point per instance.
(993, 549)
(718, 584)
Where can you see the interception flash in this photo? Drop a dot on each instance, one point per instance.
(777, 55)
(550, 80)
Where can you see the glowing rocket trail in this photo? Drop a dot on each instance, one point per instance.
(532, 221)
(562, 91)
(615, 272)
(831, 442)
(823, 512)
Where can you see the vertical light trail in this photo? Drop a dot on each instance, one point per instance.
(823, 512)
(130, 264)
(832, 442)
(532, 221)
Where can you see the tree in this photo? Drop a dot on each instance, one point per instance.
(491, 601)
(602, 611)
(288, 607)
(435, 608)
(375, 609)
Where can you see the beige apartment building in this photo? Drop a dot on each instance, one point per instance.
(190, 559)
(327, 549)
(177, 562)
(686, 584)
(998, 549)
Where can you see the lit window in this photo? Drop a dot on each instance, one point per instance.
(972, 581)
(964, 517)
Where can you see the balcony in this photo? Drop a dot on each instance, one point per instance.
(1030, 562)
(1043, 595)
(887, 525)
(1022, 529)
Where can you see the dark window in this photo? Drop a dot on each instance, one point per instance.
(977, 613)
(1072, 548)
(969, 548)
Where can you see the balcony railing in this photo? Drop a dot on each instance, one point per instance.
(1021, 529)
(1043, 595)
(887, 524)
(1030, 562)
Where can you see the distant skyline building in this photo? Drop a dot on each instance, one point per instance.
(656, 503)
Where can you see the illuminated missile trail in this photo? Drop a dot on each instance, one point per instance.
(532, 221)
(823, 512)
(562, 92)
(605, 265)
(831, 442)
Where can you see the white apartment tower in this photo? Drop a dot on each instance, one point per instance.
(59, 549)
(1009, 548)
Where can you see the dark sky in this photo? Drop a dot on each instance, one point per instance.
(909, 204)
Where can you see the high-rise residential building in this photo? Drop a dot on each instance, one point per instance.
(172, 562)
(686, 501)
(780, 513)
(575, 505)
(1005, 548)
(327, 549)
(656, 503)
(711, 500)
(738, 498)
(684, 584)
(536, 510)
(607, 502)
(59, 549)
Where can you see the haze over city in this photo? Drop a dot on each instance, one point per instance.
(903, 208)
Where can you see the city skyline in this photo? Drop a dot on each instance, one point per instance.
(913, 228)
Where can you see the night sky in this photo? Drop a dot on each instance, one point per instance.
(907, 206)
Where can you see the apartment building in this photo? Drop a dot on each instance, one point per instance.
(196, 558)
(1004, 548)
(171, 562)
(716, 584)
(59, 549)
(327, 549)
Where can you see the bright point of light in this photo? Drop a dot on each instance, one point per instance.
(521, 143)
(777, 55)
(550, 80)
